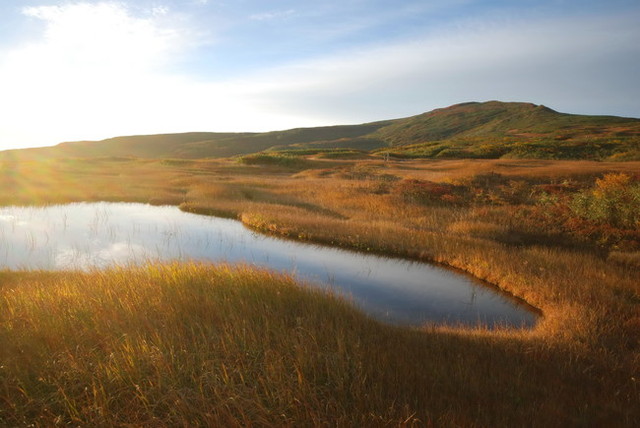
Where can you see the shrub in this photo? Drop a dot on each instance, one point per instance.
(428, 192)
(614, 200)
(274, 159)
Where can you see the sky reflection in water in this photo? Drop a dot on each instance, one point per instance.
(86, 235)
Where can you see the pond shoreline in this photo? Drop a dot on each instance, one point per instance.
(272, 229)
(356, 284)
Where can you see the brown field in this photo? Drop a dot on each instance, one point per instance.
(437, 170)
(310, 360)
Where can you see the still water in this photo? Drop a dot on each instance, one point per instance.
(98, 235)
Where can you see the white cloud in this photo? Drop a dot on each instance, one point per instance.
(270, 16)
(101, 70)
(93, 59)
(584, 66)
(100, 37)
(160, 10)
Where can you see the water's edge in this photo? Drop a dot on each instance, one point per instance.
(387, 287)
(387, 254)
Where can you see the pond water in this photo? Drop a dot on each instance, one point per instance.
(98, 235)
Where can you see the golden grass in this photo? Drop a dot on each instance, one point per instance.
(579, 366)
(184, 345)
(630, 259)
(439, 170)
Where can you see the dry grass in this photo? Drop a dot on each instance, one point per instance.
(185, 345)
(630, 259)
(438, 170)
(579, 366)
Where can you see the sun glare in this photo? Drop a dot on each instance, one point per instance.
(87, 70)
(89, 63)
(98, 71)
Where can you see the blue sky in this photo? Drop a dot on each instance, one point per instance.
(74, 70)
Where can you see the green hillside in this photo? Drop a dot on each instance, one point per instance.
(494, 119)
(470, 130)
(195, 145)
(512, 130)
(346, 136)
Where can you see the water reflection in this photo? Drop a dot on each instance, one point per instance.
(87, 235)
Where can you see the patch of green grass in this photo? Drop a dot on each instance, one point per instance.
(284, 160)
(333, 153)
(620, 149)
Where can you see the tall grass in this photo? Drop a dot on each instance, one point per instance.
(188, 345)
(172, 345)
(184, 345)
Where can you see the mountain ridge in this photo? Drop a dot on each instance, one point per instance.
(471, 129)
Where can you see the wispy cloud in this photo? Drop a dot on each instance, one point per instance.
(274, 15)
(583, 66)
(99, 69)
(105, 69)
(103, 36)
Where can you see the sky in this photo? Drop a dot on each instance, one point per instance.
(89, 70)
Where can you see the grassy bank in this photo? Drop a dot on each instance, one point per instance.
(182, 345)
(279, 356)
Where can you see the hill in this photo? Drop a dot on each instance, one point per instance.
(493, 119)
(470, 130)
(513, 130)
(195, 145)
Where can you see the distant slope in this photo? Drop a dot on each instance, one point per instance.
(495, 119)
(145, 146)
(195, 145)
(470, 130)
(518, 130)
(347, 136)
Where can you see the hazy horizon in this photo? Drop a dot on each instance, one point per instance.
(90, 70)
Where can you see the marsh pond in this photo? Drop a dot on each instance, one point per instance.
(99, 235)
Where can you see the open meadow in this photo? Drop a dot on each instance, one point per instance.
(418, 213)
(190, 344)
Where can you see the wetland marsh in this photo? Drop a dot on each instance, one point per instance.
(178, 343)
(100, 235)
